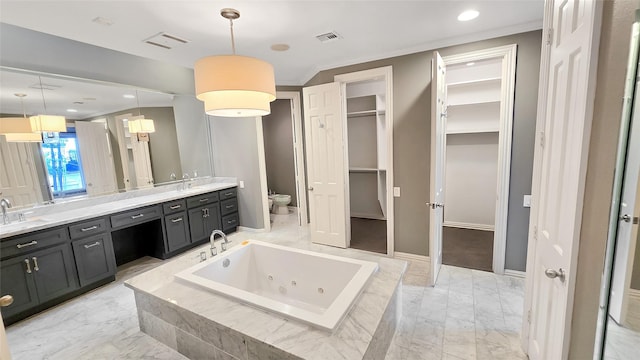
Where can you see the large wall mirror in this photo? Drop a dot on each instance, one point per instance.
(97, 154)
(619, 317)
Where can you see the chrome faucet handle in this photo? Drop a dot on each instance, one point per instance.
(172, 176)
(223, 246)
(214, 251)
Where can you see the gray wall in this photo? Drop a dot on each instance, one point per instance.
(235, 154)
(411, 93)
(617, 18)
(278, 149)
(635, 275)
(163, 144)
(193, 135)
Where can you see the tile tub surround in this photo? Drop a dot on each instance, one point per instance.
(196, 322)
(46, 216)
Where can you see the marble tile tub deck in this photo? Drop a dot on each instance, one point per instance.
(198, 323)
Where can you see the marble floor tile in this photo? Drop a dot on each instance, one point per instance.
(467, 315)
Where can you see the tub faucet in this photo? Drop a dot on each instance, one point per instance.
(212, 240)
(5, 204)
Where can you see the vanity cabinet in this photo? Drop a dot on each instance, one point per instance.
(203, 220)
(41, 269)
(177, 231)
(93, 251)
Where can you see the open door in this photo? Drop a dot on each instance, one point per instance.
(18, 176)
(438, 142)
(97, 158)
(562, 149)
(324, 136)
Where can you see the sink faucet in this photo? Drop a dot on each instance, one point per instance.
(212, 240)
(5, 204)
(185, 178)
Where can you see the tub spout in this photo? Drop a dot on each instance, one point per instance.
(212, 240)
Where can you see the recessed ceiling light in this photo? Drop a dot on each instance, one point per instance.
(279, 47)
(128, 96)
(470, 63)
(72, 110)
(468, 15)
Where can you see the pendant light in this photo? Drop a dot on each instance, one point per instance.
(18, 129)
(47, 123)
(140, 124)
(234, 85)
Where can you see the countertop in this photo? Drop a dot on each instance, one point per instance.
(48, 216)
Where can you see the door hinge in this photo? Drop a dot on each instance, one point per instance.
(529, 316)
(535, 232)
(542, 139)
(549, 36)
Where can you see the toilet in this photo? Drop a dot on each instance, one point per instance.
(280, 203)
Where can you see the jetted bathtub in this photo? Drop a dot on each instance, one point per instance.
(315, 288)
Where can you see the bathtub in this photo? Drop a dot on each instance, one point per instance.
(314, 288)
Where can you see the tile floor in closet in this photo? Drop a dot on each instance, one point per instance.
(468, 315)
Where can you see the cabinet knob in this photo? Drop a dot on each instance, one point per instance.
(6, 300)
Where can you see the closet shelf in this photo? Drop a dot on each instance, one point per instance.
(362, 170)
(476, 82)
(471, 131)
(472, 103)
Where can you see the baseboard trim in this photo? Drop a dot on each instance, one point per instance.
(634, 293)
(471, 226)
(253, 230)
(411, 257)
(515, 273)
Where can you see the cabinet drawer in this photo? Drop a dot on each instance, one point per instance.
(228, 206)
(87, 228)
(230, 222)
(26, 243)
(174, 206)
(134, 217)
(202, 200)
(228, 193)
(94, 258)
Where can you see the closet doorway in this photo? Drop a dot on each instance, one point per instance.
(369, 154)
(477, 146)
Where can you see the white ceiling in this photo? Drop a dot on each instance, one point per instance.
(370, 29)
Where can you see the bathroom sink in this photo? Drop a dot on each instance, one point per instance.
(30, 221)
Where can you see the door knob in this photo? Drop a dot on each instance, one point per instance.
(625, 218)
(310, 188)
(6, 300)
(552, 274)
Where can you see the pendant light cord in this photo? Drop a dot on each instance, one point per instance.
(42, 92)
(233, 41)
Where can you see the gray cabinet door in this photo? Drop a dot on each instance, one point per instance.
(177, 231)
(212, 221)
(197, 224)
(94, 258)
(17, 282)
(54, 272)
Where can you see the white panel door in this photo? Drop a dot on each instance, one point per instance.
(628, 226)
(564, 140)
(324, 136)
(18, 177)
(124, 142)
(141, 160)
(438, 143)
(97, 157)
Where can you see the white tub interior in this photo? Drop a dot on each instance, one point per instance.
(315, 288)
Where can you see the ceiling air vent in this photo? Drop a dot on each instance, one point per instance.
(330, 36)
(45, 86)
(165, 41)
